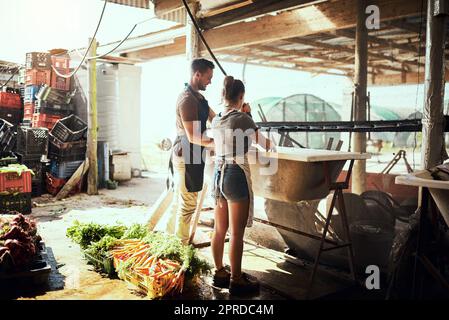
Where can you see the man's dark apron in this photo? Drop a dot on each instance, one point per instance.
(191, 153)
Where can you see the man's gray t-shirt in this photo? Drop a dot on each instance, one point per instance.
(232, 133)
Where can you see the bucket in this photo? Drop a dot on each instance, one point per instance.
(372, 242)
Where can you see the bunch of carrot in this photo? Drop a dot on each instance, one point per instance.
(159, 276)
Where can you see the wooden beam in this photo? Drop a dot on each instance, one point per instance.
(323, 17)
(162, 7)
(92, 178)
(178, 47)
(319, 18)
(360, 97)
(347, 60)
(433, 149)
(226, 8)
(268, 65)
(192, 37)
(372, 39)
(297, 54)
(255, 56)
(74, 180)
(403, 24)
(340, 48)
(392, 79)
(256, 8)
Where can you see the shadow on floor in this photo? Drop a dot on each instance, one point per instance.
(26, 288)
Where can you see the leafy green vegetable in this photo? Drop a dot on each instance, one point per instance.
(96, 240)
(136, 231)
(86, 233)
(100, 249)
(17, 168)
(169, 246)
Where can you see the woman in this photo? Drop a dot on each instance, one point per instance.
(233, 131)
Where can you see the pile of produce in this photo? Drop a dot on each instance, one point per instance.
(86, 233)
(135, 263)
(18, 242)
(155, 262)
(16, 168)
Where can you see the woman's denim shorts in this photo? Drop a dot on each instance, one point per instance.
(235, 187)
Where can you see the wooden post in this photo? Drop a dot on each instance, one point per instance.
(192, 38)
(433, 149)
(73, 181)
(360, 84)
(92, 178)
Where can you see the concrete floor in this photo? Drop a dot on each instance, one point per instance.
(73, 278)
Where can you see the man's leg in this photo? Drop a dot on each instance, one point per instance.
(186, 205)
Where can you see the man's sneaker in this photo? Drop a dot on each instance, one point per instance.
(221, 278)
(243, 286)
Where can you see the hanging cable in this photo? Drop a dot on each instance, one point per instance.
(202, 37)
(121, 42)
(115, 48)
(88, 48)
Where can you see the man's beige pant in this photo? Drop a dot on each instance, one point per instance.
(183, 205)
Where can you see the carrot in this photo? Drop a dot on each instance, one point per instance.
(172, 263)
(148, 262)
(161, 274)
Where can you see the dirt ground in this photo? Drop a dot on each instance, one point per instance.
(72, 278)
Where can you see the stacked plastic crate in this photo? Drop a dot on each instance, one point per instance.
(10, 107)
(15, 189)
(7, 136)
(53, 97)
(67, 151)
(32, 149)
(38, 73)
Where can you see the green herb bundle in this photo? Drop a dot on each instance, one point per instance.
(86, 233)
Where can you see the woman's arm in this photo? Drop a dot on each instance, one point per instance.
(211, 114)
(263, 142)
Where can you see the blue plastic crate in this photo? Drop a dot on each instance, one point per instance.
(65, 169)
(30, 93)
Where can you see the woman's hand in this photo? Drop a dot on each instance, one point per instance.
(246, 108)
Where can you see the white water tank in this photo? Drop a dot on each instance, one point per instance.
(118, 107)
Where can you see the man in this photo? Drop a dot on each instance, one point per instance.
(192, 114)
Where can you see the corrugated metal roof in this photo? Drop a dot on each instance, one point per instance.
(133, 3)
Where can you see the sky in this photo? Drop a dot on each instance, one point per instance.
(31, 25)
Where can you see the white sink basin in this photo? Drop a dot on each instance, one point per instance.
(300, 172)
(438, 189)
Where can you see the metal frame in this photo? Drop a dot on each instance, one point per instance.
(425, 236)
(395, 160)
(337, 199)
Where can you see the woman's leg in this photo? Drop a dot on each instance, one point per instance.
(238, 216)
(220, 228)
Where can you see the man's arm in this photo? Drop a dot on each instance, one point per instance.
(193, 132)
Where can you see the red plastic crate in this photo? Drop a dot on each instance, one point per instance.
(41, 120)
(54, 185)
(38, 60)
(28, 110)
(11, 182)
(46, 117)
(60, 62)
(42, 124)
(37, 77)
(10, 100)
(58, 82)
